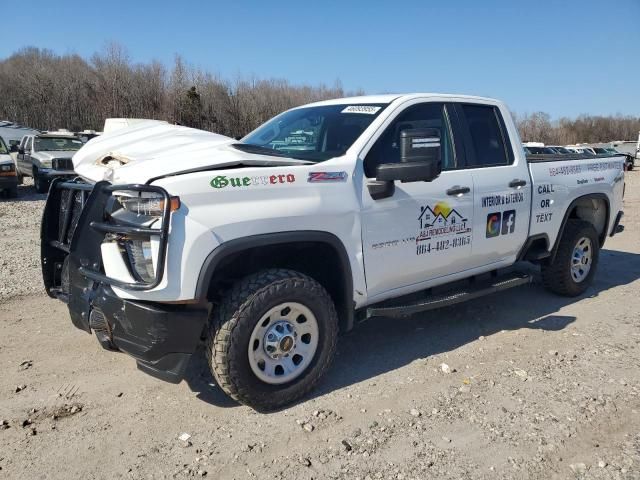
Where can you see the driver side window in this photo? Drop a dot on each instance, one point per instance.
(423, 115)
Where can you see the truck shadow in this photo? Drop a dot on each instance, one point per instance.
(382, 345)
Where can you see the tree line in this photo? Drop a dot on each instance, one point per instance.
(43, 90)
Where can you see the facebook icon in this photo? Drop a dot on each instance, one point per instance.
(508, 222)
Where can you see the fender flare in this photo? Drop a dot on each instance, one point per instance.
(572, 205)
(238, 245)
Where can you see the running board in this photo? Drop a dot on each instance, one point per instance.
(469, 292)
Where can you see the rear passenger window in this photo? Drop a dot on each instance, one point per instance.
(486, 136)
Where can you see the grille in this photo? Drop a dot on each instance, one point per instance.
(71, 204)
(62, 164)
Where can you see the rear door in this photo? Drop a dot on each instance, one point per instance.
(501, 182)
(422, 231)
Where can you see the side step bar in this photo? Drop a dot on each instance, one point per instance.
(452, 297)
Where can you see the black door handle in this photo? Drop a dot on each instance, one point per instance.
(517, 183)
(458, 190)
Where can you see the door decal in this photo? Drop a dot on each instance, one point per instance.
(441, 228)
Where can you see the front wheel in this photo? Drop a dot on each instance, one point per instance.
(271, 338)
(574, 266)
(41, 183)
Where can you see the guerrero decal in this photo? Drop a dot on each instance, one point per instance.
(441, 228)
(501, 223)
(497, 200)
(222, 181)
(315, 177)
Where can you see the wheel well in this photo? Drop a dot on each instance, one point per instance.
(319, 260)
(594, 210)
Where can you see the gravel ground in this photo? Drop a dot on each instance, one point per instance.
(523, 384)
(20, 243)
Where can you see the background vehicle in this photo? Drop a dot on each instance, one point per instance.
(8, 176)
(269, 250)
(45, 156)
(541, 150)
(561, 150)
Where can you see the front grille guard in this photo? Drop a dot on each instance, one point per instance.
(73, 224)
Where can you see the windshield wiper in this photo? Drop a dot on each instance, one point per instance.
(249, 148)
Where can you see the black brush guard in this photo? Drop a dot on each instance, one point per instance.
(161, 337)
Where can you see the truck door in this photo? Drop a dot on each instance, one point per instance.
(423, 231)
(501, 182)
(25, 157)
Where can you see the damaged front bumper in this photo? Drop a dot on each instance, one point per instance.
(161, 337)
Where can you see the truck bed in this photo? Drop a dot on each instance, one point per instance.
(559, 180)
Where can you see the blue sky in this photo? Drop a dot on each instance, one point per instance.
(562, 57)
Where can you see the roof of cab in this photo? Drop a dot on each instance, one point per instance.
(388, 98)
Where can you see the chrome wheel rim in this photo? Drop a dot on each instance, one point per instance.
(581, 260)
(283, 343)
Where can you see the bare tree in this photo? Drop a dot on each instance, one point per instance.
(47, 91)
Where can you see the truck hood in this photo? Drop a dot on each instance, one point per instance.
(48, 156)
(153, 149)
(4, 159)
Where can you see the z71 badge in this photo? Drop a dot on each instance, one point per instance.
(316, 177)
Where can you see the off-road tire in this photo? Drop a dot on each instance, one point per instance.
(41, 184)
(232, 323)
(556, 276)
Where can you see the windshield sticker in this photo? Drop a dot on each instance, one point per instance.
(315, 177)
(222, 181)
(441, 228)
(366, 109)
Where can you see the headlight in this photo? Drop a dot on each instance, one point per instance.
(8, 170)
(141, 258)
(147, 206)
(144, 210)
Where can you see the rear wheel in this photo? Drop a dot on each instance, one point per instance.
(271, 338)
(41, 183)
(576, 260)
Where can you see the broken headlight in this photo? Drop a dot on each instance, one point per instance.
(145, 212)
(147, 206)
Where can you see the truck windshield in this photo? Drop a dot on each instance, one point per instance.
(56, 144)
(313, 133)
(3, 147)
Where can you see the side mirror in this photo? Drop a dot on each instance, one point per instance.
(420, 157)
(420, 161)
(21, 150)
(421, 145)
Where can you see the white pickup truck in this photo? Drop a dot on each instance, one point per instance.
(326, 215)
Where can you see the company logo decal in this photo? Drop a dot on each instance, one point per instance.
(222, 181)
(315, 177)
(501, 223)
(497, 200)
(441, 228)
(493, 224)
